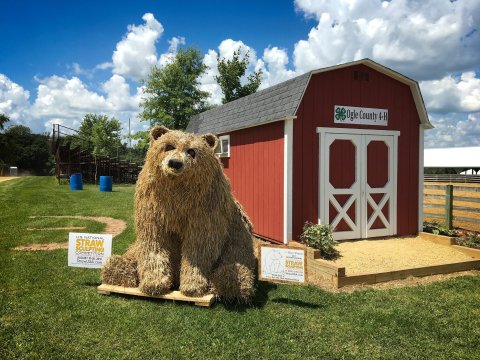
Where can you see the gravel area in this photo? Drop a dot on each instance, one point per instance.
(372, 256)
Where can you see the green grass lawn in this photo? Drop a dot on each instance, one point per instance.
(48, 310)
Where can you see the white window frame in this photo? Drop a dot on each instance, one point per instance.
(219, 150)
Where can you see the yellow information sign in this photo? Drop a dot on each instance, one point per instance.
(89, 250)
(282, 264)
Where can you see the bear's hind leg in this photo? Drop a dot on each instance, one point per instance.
(234, 282)
(121, 271)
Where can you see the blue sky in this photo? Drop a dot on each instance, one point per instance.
(61, 59)
(43, 38)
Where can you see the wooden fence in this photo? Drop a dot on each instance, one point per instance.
(452, 178)
(456, 205)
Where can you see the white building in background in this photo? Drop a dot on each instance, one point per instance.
(456, 157)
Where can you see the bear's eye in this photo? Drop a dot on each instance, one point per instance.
(169, 147)
(191, 152)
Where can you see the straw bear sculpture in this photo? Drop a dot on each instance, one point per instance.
(191, 232)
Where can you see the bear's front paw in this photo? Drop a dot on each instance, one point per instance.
(157, 286)
(195, 288)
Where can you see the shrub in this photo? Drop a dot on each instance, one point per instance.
(320, 237)
(472, 241)
(437, 229)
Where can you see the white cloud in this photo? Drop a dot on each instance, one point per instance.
(66, 98)
(422, 39)
(14, 99)
(118, 94)
(136, 53)
(428, 40)
(452, 95)
(207, 80)
(274, 67)
(169, 56)
(451, 132)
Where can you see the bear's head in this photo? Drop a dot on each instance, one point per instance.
(177, 155)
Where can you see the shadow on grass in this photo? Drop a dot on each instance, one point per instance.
(298, 303)
(258, 302)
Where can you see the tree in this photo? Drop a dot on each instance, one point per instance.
(173, 94)
(3, 119)
(29, 152)
(231, 73)
(99, 134)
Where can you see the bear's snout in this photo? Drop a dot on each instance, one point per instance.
(175, 164)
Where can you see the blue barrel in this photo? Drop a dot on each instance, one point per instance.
(76, 182)
(105, 183)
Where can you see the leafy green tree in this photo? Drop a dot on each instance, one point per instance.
(143, 141)
(29, 152)
(3, 119)
(231, 73)
(172, 92)
(99, 134)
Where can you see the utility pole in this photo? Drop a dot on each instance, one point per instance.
(130, 140)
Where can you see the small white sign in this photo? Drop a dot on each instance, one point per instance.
(89, 250)
(281, 264)
(360, 115)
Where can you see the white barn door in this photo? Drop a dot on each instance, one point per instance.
(357, 196)
(379, 186)
(343, 185)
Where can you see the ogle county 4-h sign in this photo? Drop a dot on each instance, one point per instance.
(360, 116)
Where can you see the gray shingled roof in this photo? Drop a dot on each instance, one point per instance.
(273, 103)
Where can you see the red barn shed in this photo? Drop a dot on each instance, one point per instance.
(341, 145)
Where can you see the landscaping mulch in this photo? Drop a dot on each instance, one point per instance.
(374, 256)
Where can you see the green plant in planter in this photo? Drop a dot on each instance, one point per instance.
(437, 229)
(320, 237)
(472, 240)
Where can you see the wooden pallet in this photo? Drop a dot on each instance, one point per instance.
(205, 301)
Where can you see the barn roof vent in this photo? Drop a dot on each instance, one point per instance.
(361, 75)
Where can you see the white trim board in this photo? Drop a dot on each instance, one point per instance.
(420, 177)
(357, 131)
(287, 180)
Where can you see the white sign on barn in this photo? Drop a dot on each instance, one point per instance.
(360, 115)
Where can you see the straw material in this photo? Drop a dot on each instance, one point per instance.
(191, 232)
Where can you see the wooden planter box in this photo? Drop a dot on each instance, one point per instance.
(318, 268)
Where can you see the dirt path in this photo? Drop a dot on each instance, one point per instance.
(6, 178)
(113, 226)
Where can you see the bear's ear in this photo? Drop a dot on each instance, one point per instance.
(211, 140)
(158, 131)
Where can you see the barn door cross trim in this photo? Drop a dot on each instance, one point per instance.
(374, 203)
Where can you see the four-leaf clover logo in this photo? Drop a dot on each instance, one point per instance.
(340, 114)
